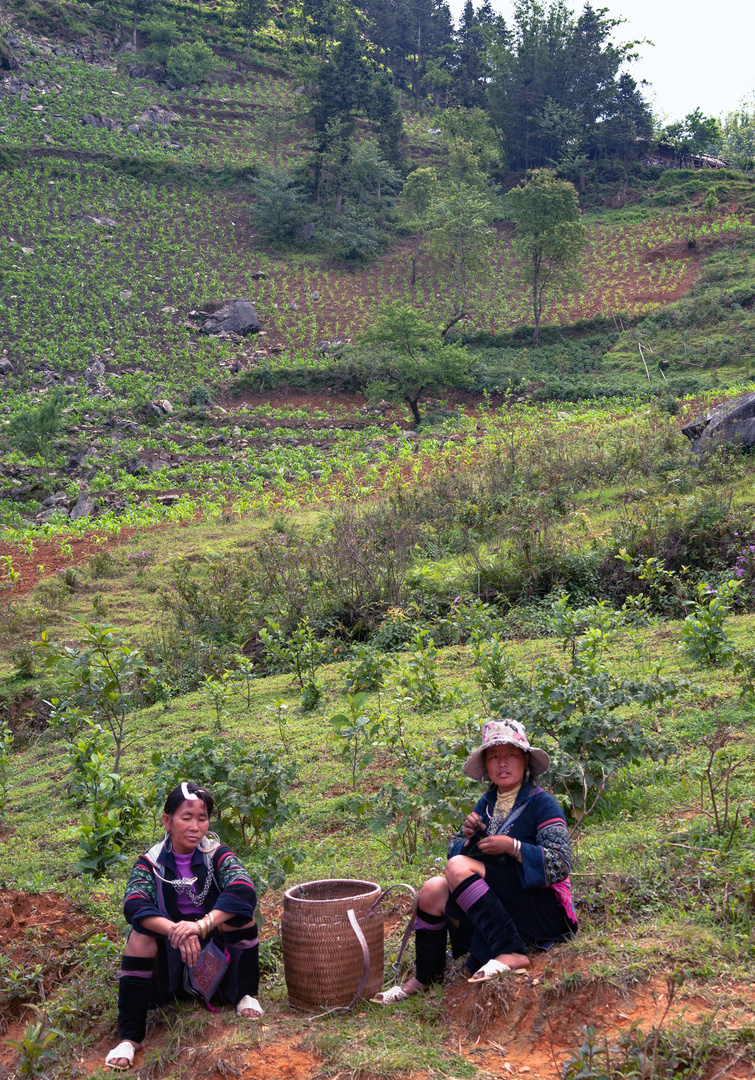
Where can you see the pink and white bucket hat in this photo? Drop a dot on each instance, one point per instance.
(499, 733)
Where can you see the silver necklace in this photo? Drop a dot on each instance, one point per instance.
(183, 885)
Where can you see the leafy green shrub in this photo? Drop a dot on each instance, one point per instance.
(357, 731)
(394, 632)
(218, 693)
(428, 796)
(104, 564)
(297, 650)
(419, 678)
(581, 711)
(368, 670)
(199, 396)
(189, 63)
(105, 679)
(310, 696)
(492, 664)
(113, 811)
(704, 637)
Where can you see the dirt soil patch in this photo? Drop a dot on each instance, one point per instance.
(522, 1025)
(40, 935)
(52, 560)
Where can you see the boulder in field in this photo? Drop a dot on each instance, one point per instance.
(731, 422)
(8, 61)
(147, 71)
(236, 316)
(156, 114)
(96, 121)
(85, 507)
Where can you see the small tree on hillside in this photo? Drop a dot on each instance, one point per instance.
(271, 126)
(251, 15)
(460, 218)
(417, 194)
(280, 207)
(549, 237)
(695, 134)
(414, 359)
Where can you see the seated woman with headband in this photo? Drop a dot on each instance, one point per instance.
(191, 906)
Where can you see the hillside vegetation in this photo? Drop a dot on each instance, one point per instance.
(317, 557)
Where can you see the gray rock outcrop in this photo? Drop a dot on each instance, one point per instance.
(96, 121)
(85, 507)
(236, 316)
(8, 61)
(147, 71)
(731, 422)
(156, 114)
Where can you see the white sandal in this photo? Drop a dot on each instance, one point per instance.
(122, 1050)
(249, 1002)
(390, 997)
(492, 969)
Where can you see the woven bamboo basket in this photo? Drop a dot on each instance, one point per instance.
(332, 935)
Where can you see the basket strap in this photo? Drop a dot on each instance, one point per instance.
(365, 955)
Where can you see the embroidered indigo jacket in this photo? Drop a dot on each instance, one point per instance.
(538, 822)
(231, 889)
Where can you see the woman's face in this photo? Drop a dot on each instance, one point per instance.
(505, 766)
(187, 825)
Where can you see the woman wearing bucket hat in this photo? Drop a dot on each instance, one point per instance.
(506, 882)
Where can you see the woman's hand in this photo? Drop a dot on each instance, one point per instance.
(184, 936)
(471, 824)
(496, 845)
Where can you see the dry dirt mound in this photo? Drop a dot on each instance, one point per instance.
(39, 938)
(529, 1025)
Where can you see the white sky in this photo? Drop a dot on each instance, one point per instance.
(703, 54)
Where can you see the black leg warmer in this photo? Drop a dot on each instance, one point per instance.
(430, 946)
(490, 918)
(136, 993)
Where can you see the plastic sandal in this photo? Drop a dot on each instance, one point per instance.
(122, 1050)
(492, 970)
(249, 1002)
(390, 997)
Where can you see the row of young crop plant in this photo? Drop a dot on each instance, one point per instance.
(79, 289)
(599, 445)
(64, 91)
